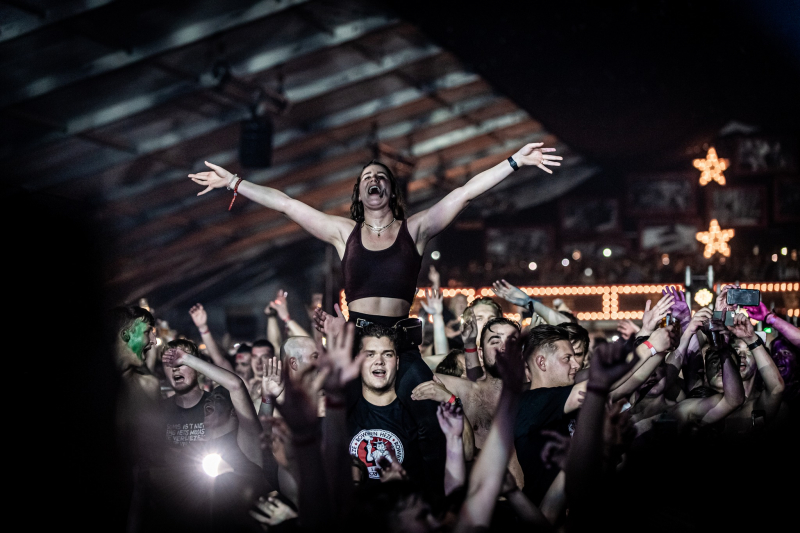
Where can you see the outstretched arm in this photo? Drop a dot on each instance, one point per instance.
(516, 296)
(327, 228)
(429, 223)
(281, 306)
(434, 307)
(487, 475)
(762, 313)
(200, 319)
(249, 433)
(469, 335)
(451, 420)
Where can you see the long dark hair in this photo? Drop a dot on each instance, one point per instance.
(396, 203)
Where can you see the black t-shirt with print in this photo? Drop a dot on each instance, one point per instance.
(376, 429)
(184, 425)
(540, 409)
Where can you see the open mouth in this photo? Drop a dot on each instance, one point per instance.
(379, 373)
(208, 409)
(178, 379)
(375, 190)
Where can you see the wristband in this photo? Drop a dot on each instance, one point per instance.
(602, 391)
(513, 164)
(287, 319)
(653, 350)
(235, 191)
(452, 399)
(758, 342)
(266, 399)
(766, 318)
(203, 332)
(470, 350)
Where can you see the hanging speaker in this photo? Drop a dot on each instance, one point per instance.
(255, 143)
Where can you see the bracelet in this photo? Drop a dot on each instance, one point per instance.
(513, 164)
(766, 318)
(203, 332)
(287, 319)
(235, 191)
(653, 350)
(597, 390)
(229, 186)
(452, 399)
(470, 350)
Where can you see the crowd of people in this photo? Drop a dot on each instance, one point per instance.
(464, 422)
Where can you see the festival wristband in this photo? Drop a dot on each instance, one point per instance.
(653, 350)
(452, 399)
(203, 332)
(470, 350)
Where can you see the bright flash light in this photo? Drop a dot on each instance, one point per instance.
(606, 252)
(615, 338)
(435, 255)
(532, 265)
(158, 341)
(211, 464)
(565, 262)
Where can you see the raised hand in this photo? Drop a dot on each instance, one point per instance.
(451, 419)
(534, 155)
(301, 392)
(280, 306)
(338, 360)
(434, 305)
(757, 312)
(327, 324)
(742, 328)
(272, 381)
(434, 278)
(721, 303)
(469, 330)
(173, 357)
(665, 338)
(700, 319)
(217, 178)
(391, 469)
(510, 293)
(680, 309)
(627, 328)
(653, 316)
(610, 362)
(431, 390)
(199, 316)
(510, 364)
(272, 511)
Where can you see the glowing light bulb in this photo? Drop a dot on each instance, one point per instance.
(774, 258)
(565, 262)
(606, 252)
(784, 251)
(435, 255)
(587, 272)
(576, 255)
(532, 266)
(703, 297)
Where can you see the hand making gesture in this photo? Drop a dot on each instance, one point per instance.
(216, 178)
(534, 155)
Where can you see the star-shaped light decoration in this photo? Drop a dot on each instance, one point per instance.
(711, 168)
(715, 239)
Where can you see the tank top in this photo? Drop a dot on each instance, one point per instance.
(388, 273)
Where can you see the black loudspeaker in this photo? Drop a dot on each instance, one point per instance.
(255, 143)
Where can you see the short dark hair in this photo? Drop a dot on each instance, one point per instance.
(184, 344)
(123, 317)
(484, 300)
(244, 348)
(396, 203)
(377, 331)
(572, 318)
(450, 365)
(545, 336)
(495, 321)
(263, 343)
(576, 333)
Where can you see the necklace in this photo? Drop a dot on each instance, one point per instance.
(379, 230)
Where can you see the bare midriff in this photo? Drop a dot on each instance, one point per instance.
(380, 306)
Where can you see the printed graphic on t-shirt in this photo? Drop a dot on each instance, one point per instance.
(369, 445)
(183, 434)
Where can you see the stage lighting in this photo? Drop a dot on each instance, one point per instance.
(435, 255)
(606, 252)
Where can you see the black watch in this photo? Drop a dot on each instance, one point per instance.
(758, 342)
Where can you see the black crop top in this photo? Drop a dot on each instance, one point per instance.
(389, 273)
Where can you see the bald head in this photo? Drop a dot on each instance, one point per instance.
(299, 352)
